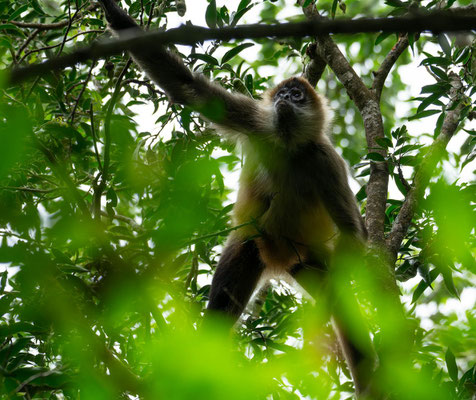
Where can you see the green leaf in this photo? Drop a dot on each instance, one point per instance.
(448, 280)
(17, 12)
(412, 161)
(10, 27)
(211, 14)
(61, 257)
(375, 156)
(424, 114)
(442, 61)
(243, 4)
(423, 285)
(204, 57)
(233, 52)
(3, 281)
(464, 57)
(432, 99)
(382, 37)
(451, 365)
(445, 44)
(395, 3)
(384, 142)
(239, 14)
(439, 87)
(407, 148)
(334, 8)
(362, 193)
(401, 187)
(439, 73)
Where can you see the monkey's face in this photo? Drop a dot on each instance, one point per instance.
(290, 97)
(292, 104)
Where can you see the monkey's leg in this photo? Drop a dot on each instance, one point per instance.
(348, 322)
(237, 275)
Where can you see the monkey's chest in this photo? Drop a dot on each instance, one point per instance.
(285, 204)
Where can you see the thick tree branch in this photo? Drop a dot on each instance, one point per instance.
(369, 108)
(434, 22)
(315, 68)
(424, 173)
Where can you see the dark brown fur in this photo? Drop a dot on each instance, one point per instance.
(293, 183)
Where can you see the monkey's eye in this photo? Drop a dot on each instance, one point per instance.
(297, 94)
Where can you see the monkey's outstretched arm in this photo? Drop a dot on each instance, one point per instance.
(234, 111)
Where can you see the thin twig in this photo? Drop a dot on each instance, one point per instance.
(57, 44)
(93, 133)
(125, 219)
(53, 25)
(28, 189)
(149, 85)
(85, 84)
(27, 42)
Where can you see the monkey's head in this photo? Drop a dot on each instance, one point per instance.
(299, 113)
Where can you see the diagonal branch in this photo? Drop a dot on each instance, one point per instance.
(424, 173)
(387, 64)
(369, 108)
(313, 71)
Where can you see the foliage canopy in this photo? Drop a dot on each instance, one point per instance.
(109, 233)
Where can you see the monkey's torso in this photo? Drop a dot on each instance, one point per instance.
(279, 195)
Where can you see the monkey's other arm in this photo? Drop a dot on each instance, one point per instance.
(234, 111)
(331, 181)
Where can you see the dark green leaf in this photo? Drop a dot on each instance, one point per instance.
(204, 57)
(439, 73)
(382, 37)
(384, 142)
(61, 257)
(234, 51)
(243, 4)
(3, 281)
(439, 87)
(445, 44)
(362, 193)
(432, 99)
(375, 156)
(211, 14)
(442, 61)
(423, 285)
(424, 114)
(334, 8)
(449, 283)
(239, 14)
(412, 161)
(395, 3)
(451, 365)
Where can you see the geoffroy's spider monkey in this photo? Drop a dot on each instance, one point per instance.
(293, 184)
